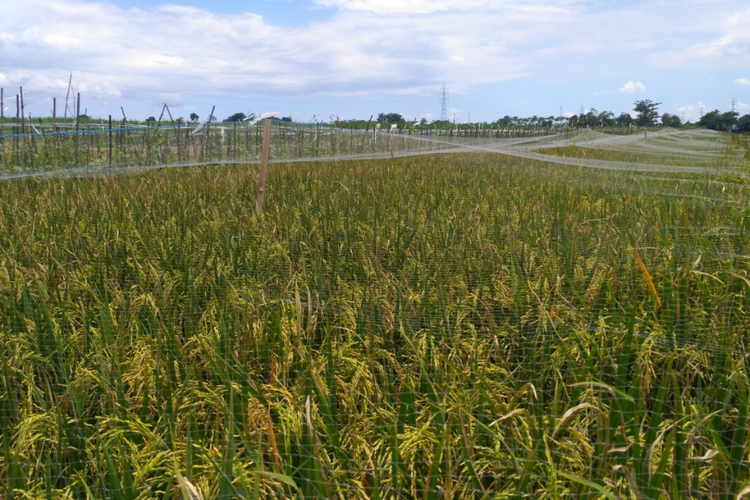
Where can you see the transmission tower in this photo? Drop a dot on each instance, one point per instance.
(444, 103)
(734, 104)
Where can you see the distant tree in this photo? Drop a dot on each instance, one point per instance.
(593, 118)
(423, 121)
(648, 112)
(286, 119)
(237, 117)
(624, 120)
(390, 118)
(573, 121)
(194, 117)
(716, 120)
(744, 123)
(606, 119)
(180, 120)
(504, 121)
(669, 120)
(150, 119)
(84, 116)
(441, 123)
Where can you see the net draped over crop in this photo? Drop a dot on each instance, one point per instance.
(492, 316)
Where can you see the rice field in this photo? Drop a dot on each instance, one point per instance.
(449, 326)
(32, 149)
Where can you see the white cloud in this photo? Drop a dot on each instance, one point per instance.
(741, 107)
(192, 47)
(389, 6)
(742, 81)
(691, 112)
(733, 44)
(632, 87)
(386, 47)
(431, 6)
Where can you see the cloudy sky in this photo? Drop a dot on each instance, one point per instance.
(354, 58)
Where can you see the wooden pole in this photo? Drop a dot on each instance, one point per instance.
(23, 131)
(15, 125)
(176, 132)
(67, 95)
(78, 116)
(54, 128)
(158, 122)
(207, 135)
(110, 141)
(265, 154)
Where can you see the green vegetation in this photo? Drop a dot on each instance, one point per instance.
(669, 120)
(448, 326)
(130, 145)
(390, 118)
(716, 120)
(641, 157)
(647, 112)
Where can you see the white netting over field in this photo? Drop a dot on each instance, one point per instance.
(542, 317)
(37, 150)
(96, 147)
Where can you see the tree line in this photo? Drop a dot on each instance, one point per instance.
(646, 115)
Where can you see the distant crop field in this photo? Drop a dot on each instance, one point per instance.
(448, 326)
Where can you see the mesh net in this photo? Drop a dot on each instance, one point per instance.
(536, 316)
(45, 149)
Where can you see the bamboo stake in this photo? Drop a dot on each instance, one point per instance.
(23, 131)
(158, 122)
(54, 128)
(176, 132)
(15, 126)
(78, 116)
(33, 150)
(207, 135)
(67, 95)
(265, 154)
(110, 141)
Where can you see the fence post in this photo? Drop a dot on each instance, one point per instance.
(265, 154)
(110, 141)
(54, 128)
(78, 119)
(15, 128)
(176, 133)
(206, 143)
(23, 133)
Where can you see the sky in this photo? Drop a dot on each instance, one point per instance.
(350, 59)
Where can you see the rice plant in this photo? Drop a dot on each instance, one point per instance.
(447, 326)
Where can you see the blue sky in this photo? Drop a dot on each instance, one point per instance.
(355, 58)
